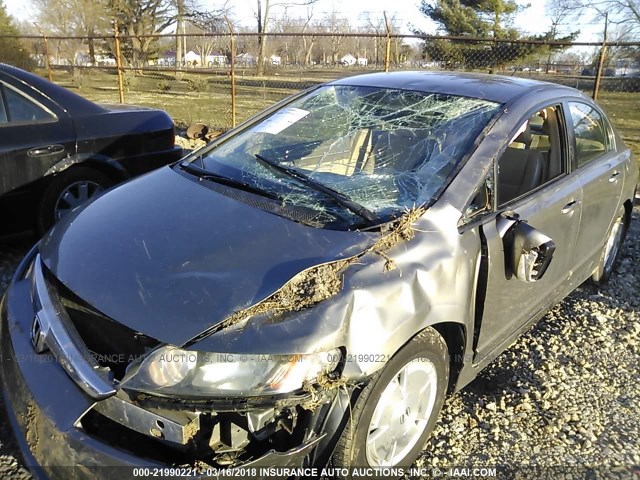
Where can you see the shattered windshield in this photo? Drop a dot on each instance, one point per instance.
(384, 150)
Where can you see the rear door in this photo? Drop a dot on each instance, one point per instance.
(535, 185)
(600, 169)
(34, 136)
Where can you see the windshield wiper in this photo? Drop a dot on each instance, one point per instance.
(203, 173)
(339, 197)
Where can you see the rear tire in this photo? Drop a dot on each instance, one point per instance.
(611, 250)
(68, 190)
(397, 410)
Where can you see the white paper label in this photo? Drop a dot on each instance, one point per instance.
(281, 120)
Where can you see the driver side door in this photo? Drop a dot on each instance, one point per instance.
(551, 204)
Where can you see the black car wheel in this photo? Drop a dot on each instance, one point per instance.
(397, 410)
(611, 250)
(67, 191)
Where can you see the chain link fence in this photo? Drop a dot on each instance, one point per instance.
(222, 78)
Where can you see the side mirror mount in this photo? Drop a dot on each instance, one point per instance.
(528, 252)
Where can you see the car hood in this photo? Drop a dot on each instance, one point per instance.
(121, 107)
(168, 257)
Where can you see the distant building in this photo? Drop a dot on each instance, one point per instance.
(348, 60)
(83, 59)
(275, 60)
(192, 59)
(105, 60)
(245, 60)
(215, 59)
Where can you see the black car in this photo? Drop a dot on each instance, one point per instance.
(58, 149)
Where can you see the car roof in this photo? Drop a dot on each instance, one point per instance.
(496, 88)
(73, 103)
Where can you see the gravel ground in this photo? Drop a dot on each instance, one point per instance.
(562, 402)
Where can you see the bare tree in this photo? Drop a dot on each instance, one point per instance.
(139, 18)
(308, 44)
(72, 17)
(623, 14)
(262, 16)
(336, 25)
(559, 12)
(179, 29)
(294, 49)
(376, 25)
(210, 22)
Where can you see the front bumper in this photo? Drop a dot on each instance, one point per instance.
(44, 406)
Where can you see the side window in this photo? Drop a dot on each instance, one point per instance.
(592, 138)
(534, 155)
(20, 109)
(482, 201)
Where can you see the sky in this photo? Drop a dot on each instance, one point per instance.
(406, 12)
(532, 20)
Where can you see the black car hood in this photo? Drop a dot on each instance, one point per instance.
(169, 257)
(123, 107)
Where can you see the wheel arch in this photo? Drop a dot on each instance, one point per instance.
(102, 163)
(628, 209)
(455, 336)
(338, 412)
(108, 171)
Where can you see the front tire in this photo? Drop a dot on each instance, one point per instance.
(68, 190)
(397, 410)
(611, 250)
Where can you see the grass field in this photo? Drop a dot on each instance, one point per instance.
(189, 97)
(623, 110)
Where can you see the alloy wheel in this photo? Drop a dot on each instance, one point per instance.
(74, 195)
(402, 413)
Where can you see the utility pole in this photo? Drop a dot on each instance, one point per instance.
(387, 49)
(603, 50)
(47, 60)
(232, 50)
(554, 27)
(116, 36)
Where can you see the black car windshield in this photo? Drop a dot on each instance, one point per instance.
(385, 150)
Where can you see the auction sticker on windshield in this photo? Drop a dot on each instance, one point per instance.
(281, 120)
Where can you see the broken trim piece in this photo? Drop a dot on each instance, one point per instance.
(53, 330)
(172, 426)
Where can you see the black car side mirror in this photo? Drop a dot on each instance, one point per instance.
(528, 252)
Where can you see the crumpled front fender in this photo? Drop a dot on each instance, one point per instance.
(377, 310)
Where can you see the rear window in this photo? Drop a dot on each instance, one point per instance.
(23, 110)
(591, 132)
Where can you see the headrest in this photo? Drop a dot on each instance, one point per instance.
(524, 136)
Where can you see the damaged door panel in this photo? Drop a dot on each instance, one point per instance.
(543, 210)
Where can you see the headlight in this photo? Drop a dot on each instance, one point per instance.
(172, 371)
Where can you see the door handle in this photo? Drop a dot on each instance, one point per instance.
(48, 150)
(614, 177)
(570, 207)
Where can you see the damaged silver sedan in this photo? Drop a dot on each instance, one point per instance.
(306, 289)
